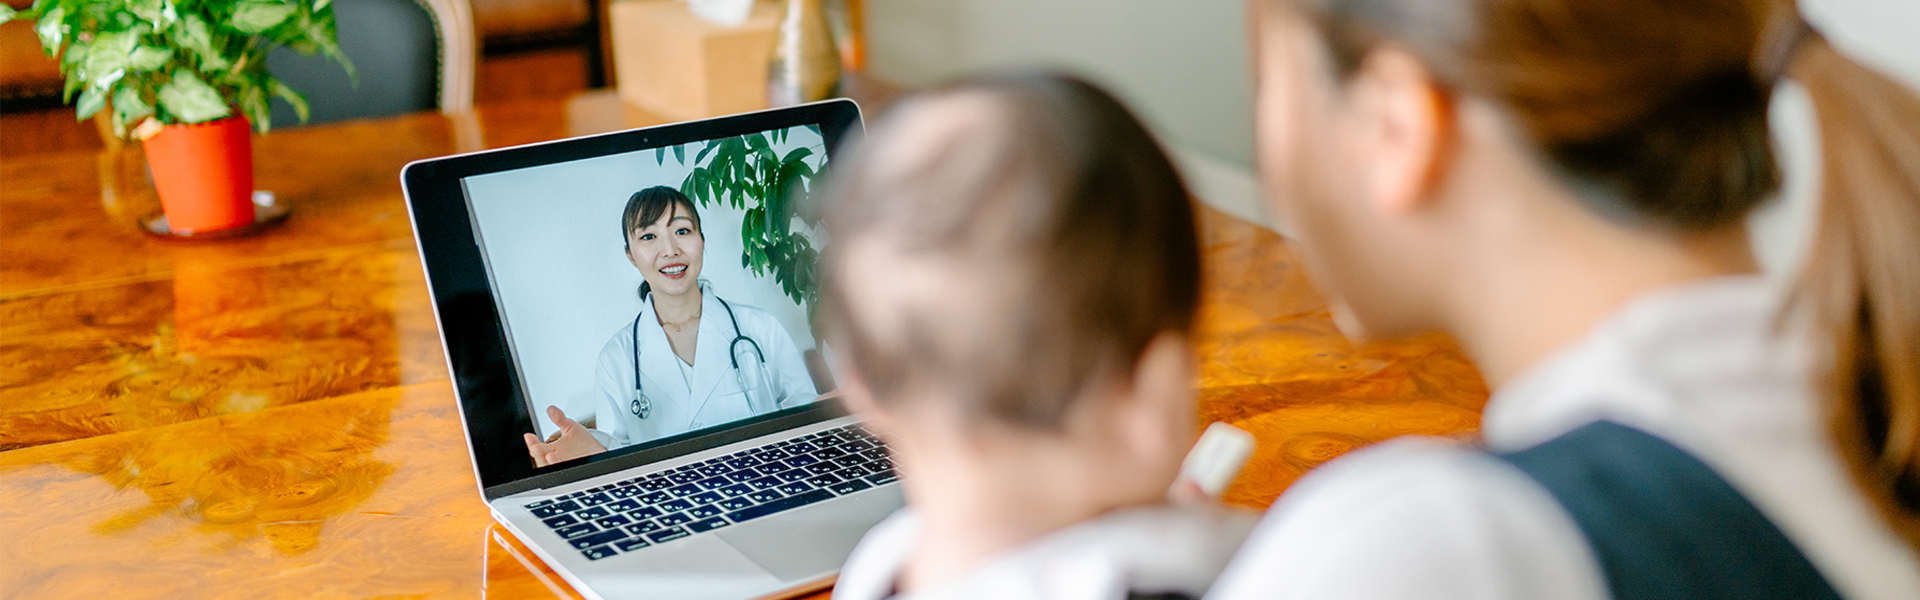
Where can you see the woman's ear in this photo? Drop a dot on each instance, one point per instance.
(1405, 126)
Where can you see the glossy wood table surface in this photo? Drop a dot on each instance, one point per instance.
(271, 416)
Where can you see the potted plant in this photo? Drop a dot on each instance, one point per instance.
(747, 174)
(186, 77)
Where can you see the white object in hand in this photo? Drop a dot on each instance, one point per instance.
(731, 13)
(1217, 457)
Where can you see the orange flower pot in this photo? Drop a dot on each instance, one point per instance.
(204, 174)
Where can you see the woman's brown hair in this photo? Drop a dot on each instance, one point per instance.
(1655, 111)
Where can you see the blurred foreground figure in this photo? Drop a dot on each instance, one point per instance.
(1013, 277)
(1561, 185)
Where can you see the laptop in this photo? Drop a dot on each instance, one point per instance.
(734, 475)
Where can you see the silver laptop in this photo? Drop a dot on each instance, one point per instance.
(715, 464)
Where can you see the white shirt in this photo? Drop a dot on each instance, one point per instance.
(1701, 366)
(1147, 549)
(708, 394)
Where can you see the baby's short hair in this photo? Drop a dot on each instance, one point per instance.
(1024, 240)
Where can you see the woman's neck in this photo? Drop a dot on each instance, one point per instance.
(677, 309)
(1558, 283)
(1521, 266)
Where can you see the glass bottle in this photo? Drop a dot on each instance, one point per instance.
(806, 66)
(847, 18)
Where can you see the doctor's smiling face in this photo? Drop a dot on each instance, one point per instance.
(667, 248)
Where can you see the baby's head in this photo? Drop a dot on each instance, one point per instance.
(1015, 269)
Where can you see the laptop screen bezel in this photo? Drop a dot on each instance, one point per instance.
(493, 400)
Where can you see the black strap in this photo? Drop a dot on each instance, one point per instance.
(1663, 524)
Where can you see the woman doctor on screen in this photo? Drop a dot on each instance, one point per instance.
(689, 360)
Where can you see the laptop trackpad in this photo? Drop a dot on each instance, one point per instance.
(812, 541)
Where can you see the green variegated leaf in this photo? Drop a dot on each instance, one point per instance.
(254, 104)
(298, 100)
(74, 83)
(321, 30)
(148, 58)
(108, 53)
(195, 36)
(106, 80)
(75, 54)
(128, 105)
(177, 62)
(154, 11)
(91, 101)
(6, 13)
(257, 16)
(52, 29)
(190, 100)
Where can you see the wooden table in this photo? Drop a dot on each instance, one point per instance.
(271, 416)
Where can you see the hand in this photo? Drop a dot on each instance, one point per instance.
(1188, 492)
(573, 441)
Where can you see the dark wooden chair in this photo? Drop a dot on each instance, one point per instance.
(410, 55)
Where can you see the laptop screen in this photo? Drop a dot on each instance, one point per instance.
(660, 292)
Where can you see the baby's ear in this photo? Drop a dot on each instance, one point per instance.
(1166, 370)
(1162, 396)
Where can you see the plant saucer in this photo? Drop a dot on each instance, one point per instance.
(268, 210)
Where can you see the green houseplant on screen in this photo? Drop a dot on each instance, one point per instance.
(186, 77)
(748, 174)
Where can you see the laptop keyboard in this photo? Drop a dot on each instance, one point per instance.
(668, 505)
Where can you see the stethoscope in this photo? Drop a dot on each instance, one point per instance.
(642, 407)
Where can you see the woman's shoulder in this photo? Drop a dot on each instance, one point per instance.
(1405, 463)
(619, 341)
(1415, 517)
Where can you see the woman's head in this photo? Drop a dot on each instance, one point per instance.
(1642, 121)
(1399, 136)
(663, 240)
(1009, 252)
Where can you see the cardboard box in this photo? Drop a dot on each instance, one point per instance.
(681, 67)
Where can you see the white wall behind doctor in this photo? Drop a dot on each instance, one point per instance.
(551, 236)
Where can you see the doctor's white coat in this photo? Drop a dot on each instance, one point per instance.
(715, 396)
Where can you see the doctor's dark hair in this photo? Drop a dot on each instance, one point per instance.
(1033, 241)
(646, 206)
(1657, 111)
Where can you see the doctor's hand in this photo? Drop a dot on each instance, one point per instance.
(573, 441)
